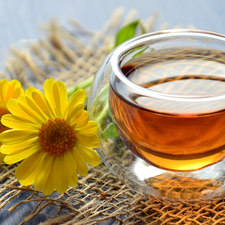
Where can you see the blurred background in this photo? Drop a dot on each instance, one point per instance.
(22, 19)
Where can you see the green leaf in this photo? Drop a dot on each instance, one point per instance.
(140, 52)
(110, 131)
(127, 32)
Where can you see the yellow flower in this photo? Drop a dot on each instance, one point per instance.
(8, 90)
(52, 136)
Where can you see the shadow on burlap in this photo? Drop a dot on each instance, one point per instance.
(72, 55)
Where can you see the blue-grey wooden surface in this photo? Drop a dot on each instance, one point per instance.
(21, 19)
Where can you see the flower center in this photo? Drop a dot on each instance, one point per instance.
(3, 111)
(56, 137)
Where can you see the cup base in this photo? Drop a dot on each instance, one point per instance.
(203, 184)
(185, 186)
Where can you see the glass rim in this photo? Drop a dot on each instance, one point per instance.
(137, 41)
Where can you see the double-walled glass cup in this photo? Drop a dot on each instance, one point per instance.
(159, 100)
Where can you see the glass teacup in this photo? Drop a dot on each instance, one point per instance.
(164, 94)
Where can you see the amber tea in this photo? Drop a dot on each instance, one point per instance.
(173, 135)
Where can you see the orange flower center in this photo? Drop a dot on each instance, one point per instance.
(56, 137)
(3, 111)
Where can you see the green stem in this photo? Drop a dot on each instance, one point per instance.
(103, 113)
(86, 83)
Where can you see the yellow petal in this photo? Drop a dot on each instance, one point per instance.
(15, 84)
(31, 109)
(60, 98)
(91, 127)
(16, 88)
(2, 156)
(28, 180)
(9, 149)
(89, 155)
(73, 116)
(21, 154)
(42, 102)
(12, 89)
(70, 163)
(12, 137)
(8, 90)
(18, 122)
(82, 167)
(29, 167)
(43, 174)
(88, 140)
(54, 172)
(16, 93)
(48, 89)
(3, 90)
(72, 181)
(33, 174)
(82, 121)
(77, 98)
(61, 181)
(49, 185)
(14, 108)
(29, 91)
(63, 97)
(39, 101)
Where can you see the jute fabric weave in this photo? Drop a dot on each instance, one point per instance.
(72, 55)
